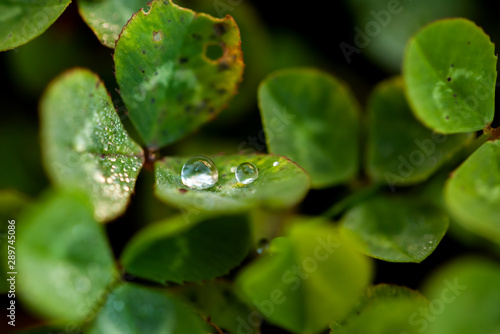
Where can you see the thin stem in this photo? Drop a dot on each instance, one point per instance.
(479, 141)
(351, 200)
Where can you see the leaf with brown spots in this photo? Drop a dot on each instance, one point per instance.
(167, 80)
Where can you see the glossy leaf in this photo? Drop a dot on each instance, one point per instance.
(279, 186)
(400, 149)
(450, 76)
(108, 17)
(383, 27)
(384, 309)
(219, 301)
(179, 250)
(256, 47)
(312, 118)
(64, 263)
(167, 79)
(84, 143)
(453, 290)
(307, 279)
(133, 309)
(473, 192)
(21, 21)
(395, 228)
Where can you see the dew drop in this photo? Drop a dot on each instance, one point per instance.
(276, 163)
(113, 159)
(262, 245)
(246, 173)
(199, 173)
(233, 169)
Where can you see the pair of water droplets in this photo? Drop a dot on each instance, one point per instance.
(201, 173)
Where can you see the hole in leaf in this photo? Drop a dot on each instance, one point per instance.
(157, 36)
(213, 51)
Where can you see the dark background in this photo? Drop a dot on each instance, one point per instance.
(318, 28)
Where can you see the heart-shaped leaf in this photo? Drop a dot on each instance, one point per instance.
(21, 21)
(108, 17)
(218, 301)
(256, 47)
(168, 77)
(178, 251)
(131, 309)
(384, 309)
(313, 119)
(307, 279)
(396, 229)
(64, 262)
(280, 183)
(400, 149)
(84, 143)
(473, 192)
(450, 75)
(454, 290)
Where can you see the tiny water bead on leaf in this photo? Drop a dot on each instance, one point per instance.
(246, 173)
(262, 245)
(396, 228)
(199, 173)
(85, 145)
(317, 284)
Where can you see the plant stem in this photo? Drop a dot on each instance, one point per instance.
(351, 200)
(479, 141)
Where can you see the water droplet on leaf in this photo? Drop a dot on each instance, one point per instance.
(247, 173)
(276, 163)
(199, 173)
(262, 245)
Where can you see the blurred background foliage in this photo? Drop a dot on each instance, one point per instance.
(274, 36)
